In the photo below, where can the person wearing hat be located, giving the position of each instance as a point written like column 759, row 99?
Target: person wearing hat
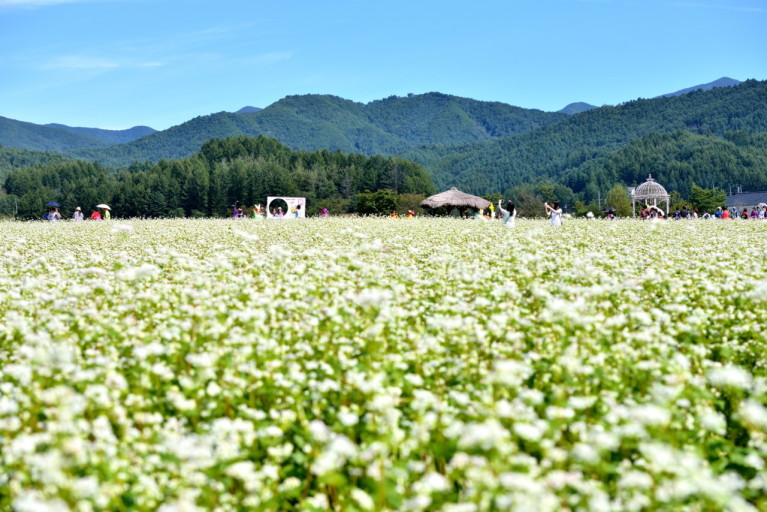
column 78, row 215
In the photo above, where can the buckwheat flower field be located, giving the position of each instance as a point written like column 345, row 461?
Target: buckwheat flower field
column 381, row 364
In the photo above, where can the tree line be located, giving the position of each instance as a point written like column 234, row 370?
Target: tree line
column 235, row 170
column 683, row 162
column 244, row 170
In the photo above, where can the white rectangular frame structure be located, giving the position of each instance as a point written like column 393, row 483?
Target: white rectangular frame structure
column 296, row 207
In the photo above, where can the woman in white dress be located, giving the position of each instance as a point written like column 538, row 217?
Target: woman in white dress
column 508, row 215
column 555, row 212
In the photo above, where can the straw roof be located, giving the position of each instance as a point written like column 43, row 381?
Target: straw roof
column 455, row 198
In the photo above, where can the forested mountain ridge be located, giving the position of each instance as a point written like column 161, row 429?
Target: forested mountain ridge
column 679, row 159
column 550, row 151
column 310, row 122
column 437, row 118
column 14, row 158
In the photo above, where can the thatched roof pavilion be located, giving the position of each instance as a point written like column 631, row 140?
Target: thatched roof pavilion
column 454, row 198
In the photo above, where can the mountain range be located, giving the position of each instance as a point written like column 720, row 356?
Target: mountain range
column 480, row 146
column 386, row 126
column 310, row 122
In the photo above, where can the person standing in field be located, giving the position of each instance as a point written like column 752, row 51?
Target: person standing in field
column 555, row 212
column 95, row 215
column 78, row 215
column 507, row 215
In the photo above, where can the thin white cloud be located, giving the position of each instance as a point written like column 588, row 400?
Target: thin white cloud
column 272, row 58
column 31, row 4
column 80, row 62
column 736, row 8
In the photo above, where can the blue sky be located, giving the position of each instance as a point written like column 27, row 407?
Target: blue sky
column 120, row 63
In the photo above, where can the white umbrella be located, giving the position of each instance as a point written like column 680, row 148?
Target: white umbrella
column 104, row 206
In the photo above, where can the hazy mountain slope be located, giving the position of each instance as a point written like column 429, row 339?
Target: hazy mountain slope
column 576, row 108
column 35, row 137
column 721, row 82
column 175, row 142
column 109, row 136
column 248, row 110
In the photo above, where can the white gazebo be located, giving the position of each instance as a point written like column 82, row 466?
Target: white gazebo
column 650, row 193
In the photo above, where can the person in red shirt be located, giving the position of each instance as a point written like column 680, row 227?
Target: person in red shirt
column 95, row 215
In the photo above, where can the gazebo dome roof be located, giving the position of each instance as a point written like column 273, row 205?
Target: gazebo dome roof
column 650, row 189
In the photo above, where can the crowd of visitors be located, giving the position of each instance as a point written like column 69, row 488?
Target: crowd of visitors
column 721, row 213
column 101, row 212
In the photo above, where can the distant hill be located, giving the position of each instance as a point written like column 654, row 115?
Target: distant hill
column 722, row 82
column 551, row 151
column 109, row 136
column 248, row 110
column 20, row 134
column 576, row 108
column 310, row 122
